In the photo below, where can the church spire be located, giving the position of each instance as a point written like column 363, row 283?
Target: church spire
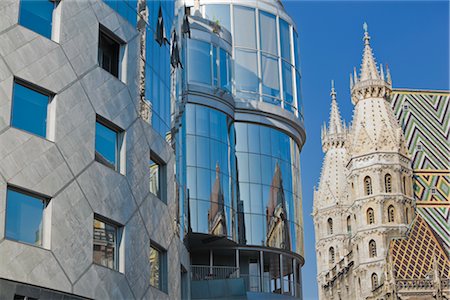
column 371, row 82
column 336, row 129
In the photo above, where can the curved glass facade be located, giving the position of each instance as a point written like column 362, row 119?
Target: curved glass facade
column 266, row 57
column 243, row 180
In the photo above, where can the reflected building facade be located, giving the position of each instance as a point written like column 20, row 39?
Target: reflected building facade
column 238, row 125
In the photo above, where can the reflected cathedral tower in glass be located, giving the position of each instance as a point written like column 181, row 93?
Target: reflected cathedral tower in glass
column 237, row 120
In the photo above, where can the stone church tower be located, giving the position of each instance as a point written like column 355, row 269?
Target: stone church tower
column 364, row 198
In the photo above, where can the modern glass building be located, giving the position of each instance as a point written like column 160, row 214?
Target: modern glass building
column 238, row 126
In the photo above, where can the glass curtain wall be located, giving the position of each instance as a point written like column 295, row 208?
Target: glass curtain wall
column 266, row 55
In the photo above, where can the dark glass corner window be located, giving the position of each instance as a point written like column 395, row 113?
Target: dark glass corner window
column 29, row 109
column 24, row 216
column 158, row 268
column 106, row 243
column 37, row 15
column 108, row 52
column 157, row 177
column 107, row 146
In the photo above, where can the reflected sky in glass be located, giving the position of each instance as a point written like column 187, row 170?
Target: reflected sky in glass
column 106, row 145
column 24, row 217
column 37, row 16
column 29, row 110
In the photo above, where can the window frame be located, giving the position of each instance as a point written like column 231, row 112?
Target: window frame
column 53, row 20
column 391, row 213
column 45, row 217
column 368, row 189
column 121, row 52
column 388, row 183
column 118, row 241
column 330, row 226
column 372, row 248
column 40, row 90
column 119, row 145
column 332, row 255
column 162, row 176
column 162, row 267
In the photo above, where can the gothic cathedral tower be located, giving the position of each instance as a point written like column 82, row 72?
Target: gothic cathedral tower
column 365, row 191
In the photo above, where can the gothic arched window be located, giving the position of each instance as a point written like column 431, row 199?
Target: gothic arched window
column 391, row 213
column 372, row 248
column 331, row 255
column 404, row 185
column 370, row 216
column 388, row 183
column 330, row 226
column 349, row 225
column 407, row 215
column 368, row 185
column 374, row 281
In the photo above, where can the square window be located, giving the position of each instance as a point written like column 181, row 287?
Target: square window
column 29, row 109
column 107, row 144
column 37, row 15
column 108, row 52
column 158, row 268
column 107, row 238
column 157, row 177
column 24, row 217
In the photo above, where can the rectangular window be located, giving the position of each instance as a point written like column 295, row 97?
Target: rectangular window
column 268, row 32
column 157, row 177
column 29, row 109
column 107, row 145
column 107, row 238
column 20, row 297
column 225, row 70
column 285, row 40
column 24, row 217
column 219, row 13
column 246, row 70
column 287, row 83
column 199, row 61
column 108, row 52
column 244, row 17
column 158, row 268
column 270, row 75
column 37, row 15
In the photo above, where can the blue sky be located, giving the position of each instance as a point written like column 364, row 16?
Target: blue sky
column 412, row 37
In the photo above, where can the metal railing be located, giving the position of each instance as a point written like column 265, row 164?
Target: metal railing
column 213, row 272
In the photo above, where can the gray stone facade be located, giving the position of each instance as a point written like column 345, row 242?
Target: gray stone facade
column 63, row 166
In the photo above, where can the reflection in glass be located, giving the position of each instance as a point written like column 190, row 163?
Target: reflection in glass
column 199, row 62
column 270, row 75
column 268, row 32
column 216, row 215
column 225, row 70
column 157, row 177
column 24, row 216
column 219, row 13
column 244, row 17
column 106, row 145
column 37, row 15
column 105, row 244
column 287, row 83
column 277, row 223
column 246, row 70
column 29, row 111
column 285, row 41
column 158, row 268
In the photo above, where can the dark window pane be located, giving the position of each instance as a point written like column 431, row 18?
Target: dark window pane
column 105, row 244
column 24, row 217
column 157, row 178
column 37, row 16
column 158, row 268
column 106, row 145
column 108, row 54
column 29, row 110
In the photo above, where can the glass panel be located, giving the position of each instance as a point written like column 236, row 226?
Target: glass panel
column 287, row 83
column 190, row 119
column 155, row 267
column 225, row 70
column 156, row 178
column 24, row 215
column 199, row 62
column 285, row 40
column 253, row 138
column 246, row 70
column 202, row 117
column 105, row 244
column 268, row 32
column 244, row 17
column 29, row 110
column 220, row 14
column 214, row 64
column 299, row 94
column 108, row 54
column 37, row 16
column 105, row 145
column 296, row 51
column 270, row 76
column 203, row 157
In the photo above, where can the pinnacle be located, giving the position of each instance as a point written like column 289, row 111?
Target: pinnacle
column 335, row 125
